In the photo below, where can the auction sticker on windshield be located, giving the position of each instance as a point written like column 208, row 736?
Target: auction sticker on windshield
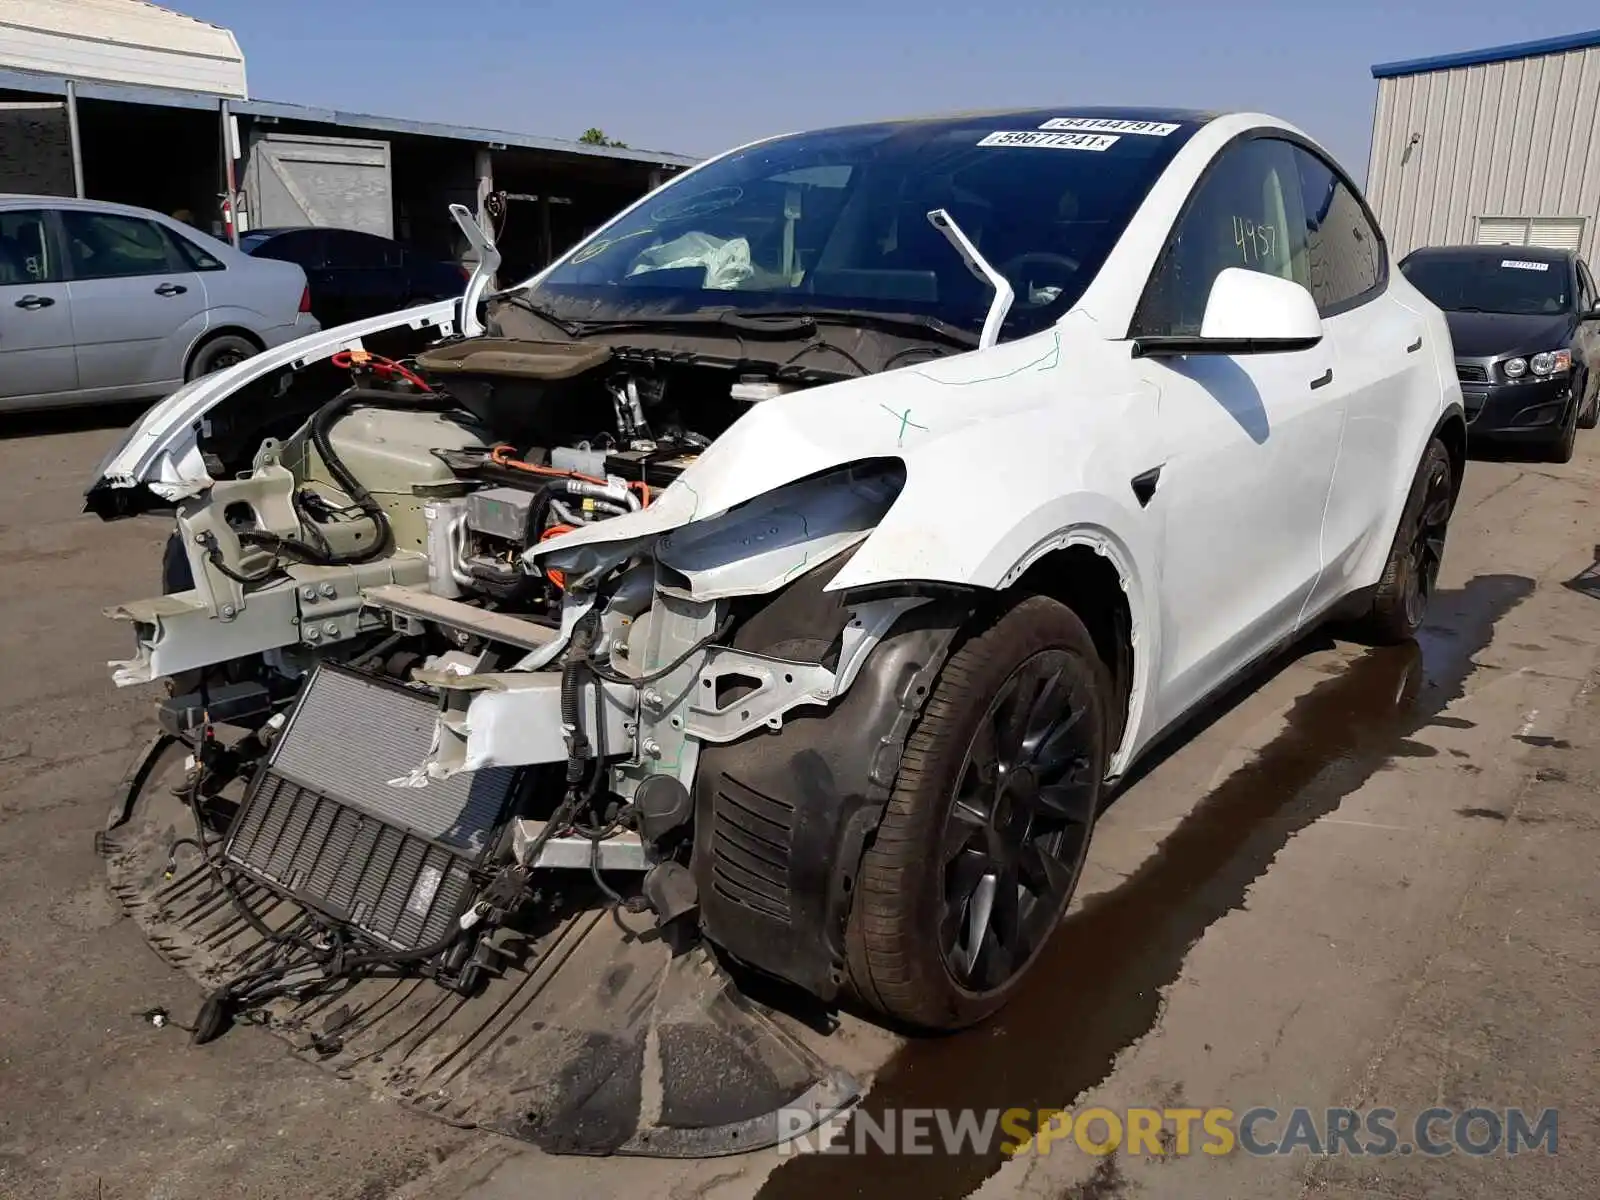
column 1111, row 125
column 1517, row 264
column 1049, row 141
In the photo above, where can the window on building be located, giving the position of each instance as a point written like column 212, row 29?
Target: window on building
column 1552, row 233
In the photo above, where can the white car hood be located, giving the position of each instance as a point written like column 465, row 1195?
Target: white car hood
column 161, row 450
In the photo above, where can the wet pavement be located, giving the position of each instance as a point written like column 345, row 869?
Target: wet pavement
column 1264, row 900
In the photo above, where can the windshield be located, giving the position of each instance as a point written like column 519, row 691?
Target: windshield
column 1500, row 282
column 838, row 220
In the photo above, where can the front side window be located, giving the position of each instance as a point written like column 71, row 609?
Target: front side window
column 1504, row 279
column 27, row 255
column 839, row 220
column 111, row 246
column 1247, row 211
column 1343, row 247
column 1586, row 295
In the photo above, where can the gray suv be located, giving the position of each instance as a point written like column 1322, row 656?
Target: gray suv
column 103, row 302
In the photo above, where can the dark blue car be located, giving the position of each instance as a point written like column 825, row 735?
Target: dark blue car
column 354, row 275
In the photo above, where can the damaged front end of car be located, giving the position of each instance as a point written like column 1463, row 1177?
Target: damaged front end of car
column 514, row 708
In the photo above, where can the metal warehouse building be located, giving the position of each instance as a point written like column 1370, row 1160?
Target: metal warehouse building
column 124, row 100
column 1496, row 146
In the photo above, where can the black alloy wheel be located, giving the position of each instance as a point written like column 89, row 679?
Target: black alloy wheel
column 986, row 831
column 1399, row 603
column 1018, row 826
column 1427, row 541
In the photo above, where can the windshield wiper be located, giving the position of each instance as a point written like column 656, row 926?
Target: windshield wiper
column 518, row 297
column 787, row 322
column 979, row 266
column 895, row 321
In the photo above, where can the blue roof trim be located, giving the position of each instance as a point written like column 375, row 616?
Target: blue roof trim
column 1493, row 54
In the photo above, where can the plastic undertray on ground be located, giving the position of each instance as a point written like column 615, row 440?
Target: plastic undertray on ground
column 595, row 1039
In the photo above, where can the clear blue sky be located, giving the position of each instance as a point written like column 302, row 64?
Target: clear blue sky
column 700, row 75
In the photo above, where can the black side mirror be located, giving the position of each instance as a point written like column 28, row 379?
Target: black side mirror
column 1592, row 315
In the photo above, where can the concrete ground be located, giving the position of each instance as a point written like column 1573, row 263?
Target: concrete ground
column 1365, row 880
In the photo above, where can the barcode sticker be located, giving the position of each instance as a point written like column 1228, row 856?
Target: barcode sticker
column 1111, row 125
column 1049, row 141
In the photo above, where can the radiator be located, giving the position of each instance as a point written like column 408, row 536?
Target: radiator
column 341, row 820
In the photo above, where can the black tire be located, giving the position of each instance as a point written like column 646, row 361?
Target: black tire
column 1566, row 442
column 223, row 351
column 1589, row 410
column 909, row 900
column 1401, row 602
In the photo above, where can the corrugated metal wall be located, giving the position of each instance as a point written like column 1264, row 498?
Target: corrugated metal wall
column 1503, row 139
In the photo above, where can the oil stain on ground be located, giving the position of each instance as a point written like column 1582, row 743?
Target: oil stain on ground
column 1097, row 989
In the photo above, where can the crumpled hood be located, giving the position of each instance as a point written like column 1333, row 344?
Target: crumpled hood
column 896, row 414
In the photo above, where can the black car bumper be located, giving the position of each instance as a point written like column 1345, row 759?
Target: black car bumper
column 1534, row 411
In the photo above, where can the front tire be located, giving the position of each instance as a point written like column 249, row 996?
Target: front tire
column 1412, row 570
column 985, row 835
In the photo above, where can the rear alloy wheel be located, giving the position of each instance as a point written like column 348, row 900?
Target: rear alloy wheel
column 1412, row 572
column 220, row 353
column 984, row 838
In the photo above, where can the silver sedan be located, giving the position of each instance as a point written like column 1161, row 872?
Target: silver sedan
column 104, row 302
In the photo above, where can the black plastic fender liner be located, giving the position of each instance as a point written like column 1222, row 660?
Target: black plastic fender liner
column 782, row 817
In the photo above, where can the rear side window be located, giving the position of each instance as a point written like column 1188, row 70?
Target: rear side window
column 27, row 254
column 1246, row 212
column 1344, row 249
column 197, row 258
column 112, row 246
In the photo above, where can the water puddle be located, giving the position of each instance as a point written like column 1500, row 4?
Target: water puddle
column 1098, row 988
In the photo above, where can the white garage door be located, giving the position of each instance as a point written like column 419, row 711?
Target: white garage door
column 1553, row 233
